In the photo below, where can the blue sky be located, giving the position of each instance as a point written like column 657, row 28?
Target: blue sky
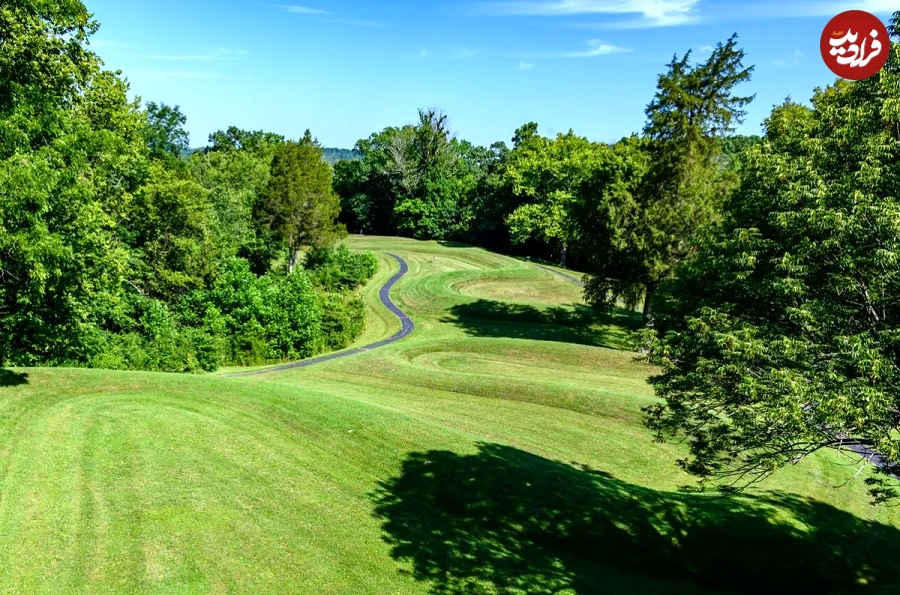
column 347, row 68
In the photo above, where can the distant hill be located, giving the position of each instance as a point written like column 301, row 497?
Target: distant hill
column 330, row 154
column 333, row 155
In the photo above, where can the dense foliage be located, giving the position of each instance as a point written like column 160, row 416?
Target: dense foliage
column 117, row 251
column 773, row 259
column 767, row 267
column 780, row 334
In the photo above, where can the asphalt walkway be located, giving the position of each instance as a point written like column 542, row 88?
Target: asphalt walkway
column 384, row 294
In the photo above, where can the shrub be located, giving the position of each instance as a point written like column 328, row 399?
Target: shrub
column 343, row 319
column 338, row 269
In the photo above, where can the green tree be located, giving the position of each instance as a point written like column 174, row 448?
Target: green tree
column 369, row 187
column 71, row 156
column 429, row 171
column 235, row 139
column 547, row 176
column 174, row 242
column 780, row 335
column 684, row 186
column 165, row 133
column 298, row 204
column 44, row 62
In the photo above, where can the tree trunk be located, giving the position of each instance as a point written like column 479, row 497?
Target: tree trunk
column 649, row 289
column 292, row 257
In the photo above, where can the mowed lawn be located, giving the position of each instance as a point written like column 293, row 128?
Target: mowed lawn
column 499, row 449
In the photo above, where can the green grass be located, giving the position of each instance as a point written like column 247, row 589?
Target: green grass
column 498, row 449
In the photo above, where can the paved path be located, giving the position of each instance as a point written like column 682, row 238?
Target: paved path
column 575, row 280
column 406, row 327
column 849, row 443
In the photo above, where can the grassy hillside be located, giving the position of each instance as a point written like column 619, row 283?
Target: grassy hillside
column 498, row 449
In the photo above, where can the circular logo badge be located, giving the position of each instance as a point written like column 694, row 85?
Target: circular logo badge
column 855, row 45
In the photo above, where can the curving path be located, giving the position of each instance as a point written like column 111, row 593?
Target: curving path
column 843, row 441
column 563, row 275
column 384, row 294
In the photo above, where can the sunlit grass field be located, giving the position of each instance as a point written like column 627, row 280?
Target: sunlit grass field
column 498, row 449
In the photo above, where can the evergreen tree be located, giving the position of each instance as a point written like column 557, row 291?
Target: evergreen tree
column 298, row 205
column 684, row 186
column 780, row 335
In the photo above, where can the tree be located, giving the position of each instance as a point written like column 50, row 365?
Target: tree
column 684, row 186
column 780, row 335
column 174, row 235
column 44, row 62
column 429, row 169
column 71, row 157
column 369, row 188
column 298, row 204
column 547, row 176
column 235, row 139
column 165, row 133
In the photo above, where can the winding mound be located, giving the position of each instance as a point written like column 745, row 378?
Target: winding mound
column 497, row 449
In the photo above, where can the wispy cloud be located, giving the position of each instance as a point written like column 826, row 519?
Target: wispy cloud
column 652, row 13
column 294, row 9
column 778, row 9
column 793, row 60
column 830, row 8
column 462, row 54
column 359, row 22
column 597, row 48
column 525, row 66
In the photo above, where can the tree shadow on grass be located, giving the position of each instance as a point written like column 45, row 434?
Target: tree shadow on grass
column 503, row 520
column 10, row 378
column 450, row 244
column 566, row 324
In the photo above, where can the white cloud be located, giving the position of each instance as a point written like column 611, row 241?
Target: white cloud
column 654, row 13
column 778, row 9
column 525, row 66
column 835, row 8
column 597, row 48
column 794, row 59
column 359, row 22
column 303, row 9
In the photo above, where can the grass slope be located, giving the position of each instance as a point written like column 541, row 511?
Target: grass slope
column 498, row 449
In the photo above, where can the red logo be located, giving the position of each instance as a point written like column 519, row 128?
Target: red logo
column 855, row 45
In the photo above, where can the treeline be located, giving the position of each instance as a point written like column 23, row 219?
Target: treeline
column 623, row 211
column 768, row 267
column 119, row 248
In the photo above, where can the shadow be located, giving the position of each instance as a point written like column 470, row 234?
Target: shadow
column 503, row 520
column 566, row 324
column 10, row 378
column 449, row 244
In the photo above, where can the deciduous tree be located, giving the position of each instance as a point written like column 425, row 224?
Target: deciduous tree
column 780, row 335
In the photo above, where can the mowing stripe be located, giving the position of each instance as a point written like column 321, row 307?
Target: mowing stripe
column 384, row 294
